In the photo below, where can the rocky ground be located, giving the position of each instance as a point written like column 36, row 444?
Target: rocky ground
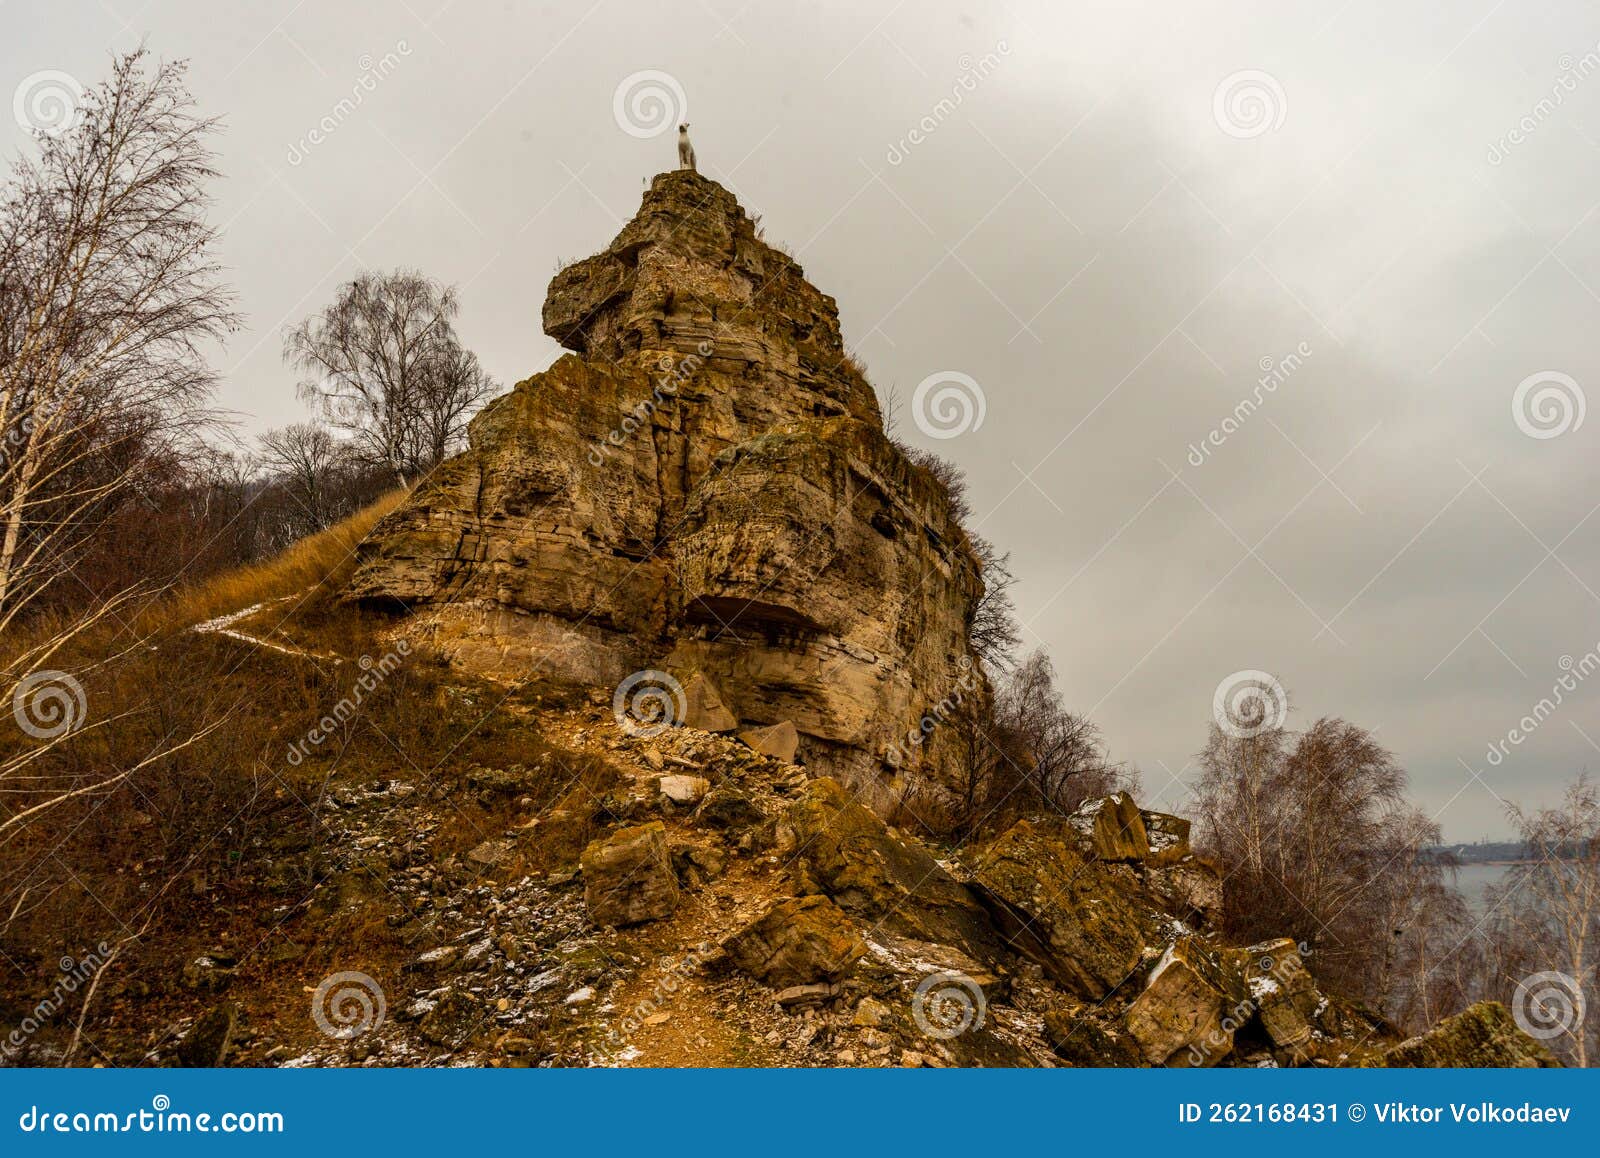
column 712, row 905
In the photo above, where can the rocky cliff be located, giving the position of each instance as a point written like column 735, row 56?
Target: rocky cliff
column 703, row 485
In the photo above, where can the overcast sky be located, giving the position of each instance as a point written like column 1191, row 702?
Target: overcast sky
column 1118, row 213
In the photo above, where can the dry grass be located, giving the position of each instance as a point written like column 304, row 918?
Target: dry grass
column 311, row 563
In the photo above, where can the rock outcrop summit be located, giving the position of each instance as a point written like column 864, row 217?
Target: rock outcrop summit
column 703, row 485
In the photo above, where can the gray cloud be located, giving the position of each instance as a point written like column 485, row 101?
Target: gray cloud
column 1079, row 235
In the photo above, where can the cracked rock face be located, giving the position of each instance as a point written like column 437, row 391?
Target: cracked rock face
column 702, row 485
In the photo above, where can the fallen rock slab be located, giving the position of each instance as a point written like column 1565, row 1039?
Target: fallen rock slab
column 684, row 789
column 1181, row 1017
column 780, row 741
column 1482, row 1035
column 1112, row 827
column 628, row 876
column 798, row 941
column 1083, row 924
column 843, row 850
column 1167, row 837
column 704, row 708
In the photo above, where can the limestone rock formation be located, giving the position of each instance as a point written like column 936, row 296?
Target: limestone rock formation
column 1088, row 926
column 798, row 941
column 841, row 849
column 702, row 485
column 1484, row 1034
column 628, row 877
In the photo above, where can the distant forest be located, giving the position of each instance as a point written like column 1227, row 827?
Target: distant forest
column 1499, row 851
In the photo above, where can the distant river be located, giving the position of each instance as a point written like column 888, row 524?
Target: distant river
column 1475, row 879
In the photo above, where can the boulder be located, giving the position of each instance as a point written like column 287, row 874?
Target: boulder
column 780, row 741
column 1182, row 1016
column 684, row 789
column 210, row 972
column 703, row 706
column 1281, row 989
column 697, row 864
column 727, row 807
column 1483, row 1035
column 453, row 1020
column 798, row 941
column 1112, row 828
column 628, row 877
column 1190, row 890
column 1080, row 1040
column 841, row 849
column 1168, row 838
column 1087, row 926
column 206, row 1044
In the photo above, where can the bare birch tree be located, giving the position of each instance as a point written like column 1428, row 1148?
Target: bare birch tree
column 1548, row 950
column 109, row 295
column 383, row 364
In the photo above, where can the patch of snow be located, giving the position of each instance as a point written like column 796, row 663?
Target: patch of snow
column 1262, row 987
column 1167, row 958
